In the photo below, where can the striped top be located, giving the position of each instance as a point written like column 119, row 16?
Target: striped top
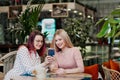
column 25, row 63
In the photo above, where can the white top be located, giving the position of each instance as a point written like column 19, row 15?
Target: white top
column 24, row 63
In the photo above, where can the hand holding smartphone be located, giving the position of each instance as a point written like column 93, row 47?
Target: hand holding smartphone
column 51, row 52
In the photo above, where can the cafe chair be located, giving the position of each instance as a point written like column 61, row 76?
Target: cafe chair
column 8, row 61
column 111, row 74
column 94, row 71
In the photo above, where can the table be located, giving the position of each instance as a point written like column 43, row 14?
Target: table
column 53, row 76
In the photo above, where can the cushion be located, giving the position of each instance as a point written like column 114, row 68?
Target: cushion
column 114, row 65
column 93, row 70
column 107, row 64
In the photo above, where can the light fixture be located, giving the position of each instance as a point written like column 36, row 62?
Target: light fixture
column 50, row 10
column 75, row 11
column 80, row 13
column 69, row 9
column 88, row 16
column 91, row 17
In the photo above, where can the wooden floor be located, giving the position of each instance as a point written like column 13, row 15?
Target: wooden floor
column 1, row 76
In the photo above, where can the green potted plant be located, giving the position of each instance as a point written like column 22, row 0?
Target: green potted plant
column 111, row 26
column 110, row 29
column 27, row 21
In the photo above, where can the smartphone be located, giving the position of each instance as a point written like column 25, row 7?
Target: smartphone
column 51, row 52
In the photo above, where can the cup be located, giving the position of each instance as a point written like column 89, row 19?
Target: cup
column 53, row 67
column 41, row 73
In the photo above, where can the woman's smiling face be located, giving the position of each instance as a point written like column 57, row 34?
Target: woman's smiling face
column 38, row 42
column 59, row 41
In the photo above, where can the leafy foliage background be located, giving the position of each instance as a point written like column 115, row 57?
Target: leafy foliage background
column 79, row 31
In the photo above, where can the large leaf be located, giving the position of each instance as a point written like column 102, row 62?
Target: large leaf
column 104, row 30
column 101, row 20
column 117, row 34
column 116, row 12
column 113, row 21
column 112, row 32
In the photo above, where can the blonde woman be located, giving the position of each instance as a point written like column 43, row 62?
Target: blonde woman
column 68, row 58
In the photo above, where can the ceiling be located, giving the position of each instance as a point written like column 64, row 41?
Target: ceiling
column 103, row 7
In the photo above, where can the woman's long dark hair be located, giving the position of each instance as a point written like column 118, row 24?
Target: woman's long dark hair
column 30, row 43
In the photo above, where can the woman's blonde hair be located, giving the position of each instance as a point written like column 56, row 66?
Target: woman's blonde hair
column 65, row 36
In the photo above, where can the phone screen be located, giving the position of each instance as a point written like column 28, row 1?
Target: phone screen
column 51, row 51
